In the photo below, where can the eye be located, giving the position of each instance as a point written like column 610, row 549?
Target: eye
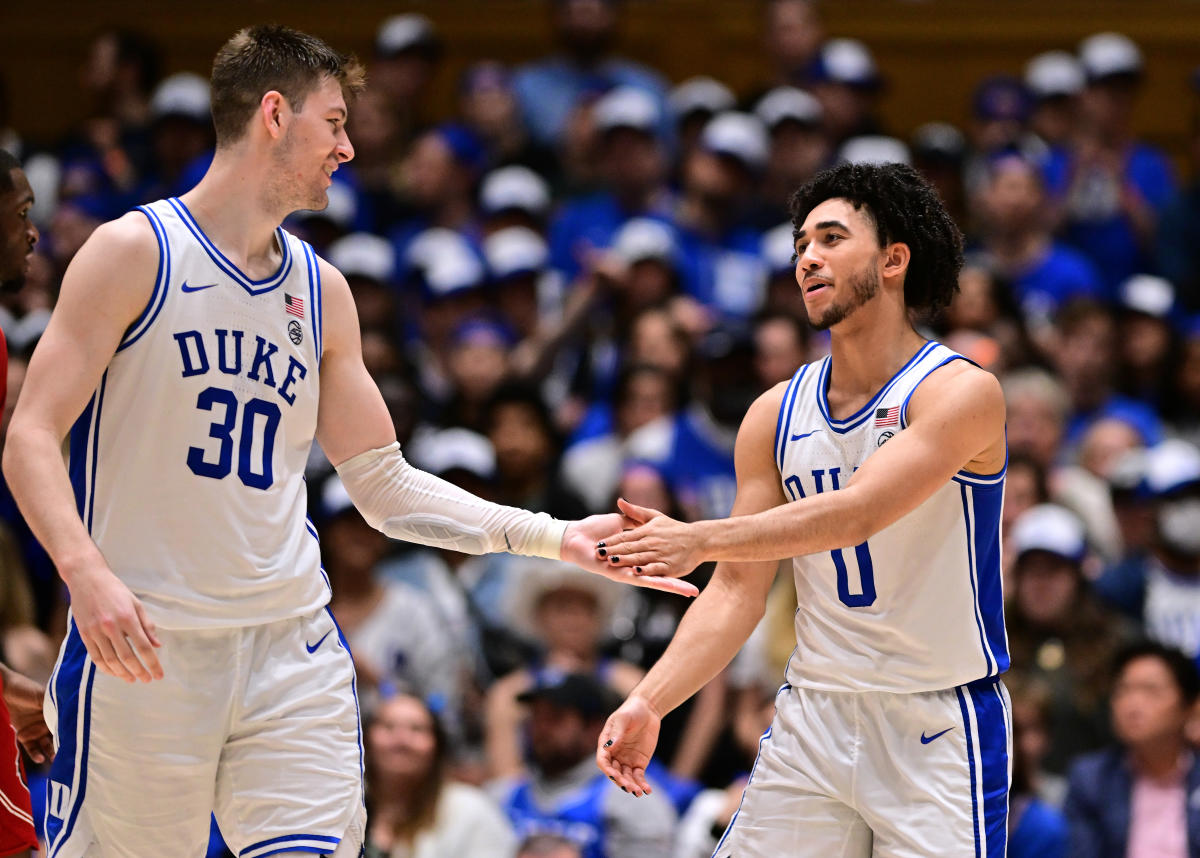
column 832, row 237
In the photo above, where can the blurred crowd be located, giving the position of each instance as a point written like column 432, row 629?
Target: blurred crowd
column 571, row 284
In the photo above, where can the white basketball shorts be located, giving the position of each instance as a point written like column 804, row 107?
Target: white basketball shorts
column 879, row 775
column 258, row 724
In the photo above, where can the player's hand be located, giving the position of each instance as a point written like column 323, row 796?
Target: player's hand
column 579, row 547
column 658, row 546
column 114, row 627
column 23, row 697
column 627, row 743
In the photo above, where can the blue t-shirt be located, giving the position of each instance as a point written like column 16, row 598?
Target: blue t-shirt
column 727, row 274
column 1095, row 223
column 1041, row 832
column 1062, row 274
column 589, row 223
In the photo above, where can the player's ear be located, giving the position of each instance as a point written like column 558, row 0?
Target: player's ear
column 270, row 111
column 895, row 259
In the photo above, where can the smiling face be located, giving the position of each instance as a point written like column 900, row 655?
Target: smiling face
column 314, row 144
column 837, row 262
column 18, row 235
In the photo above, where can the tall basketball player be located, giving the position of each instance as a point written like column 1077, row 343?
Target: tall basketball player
column 880, row 469
column 196, row 349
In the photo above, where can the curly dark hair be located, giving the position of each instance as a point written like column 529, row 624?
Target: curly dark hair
column 904, row 208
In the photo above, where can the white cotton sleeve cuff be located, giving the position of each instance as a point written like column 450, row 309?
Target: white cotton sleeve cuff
column 412, row 505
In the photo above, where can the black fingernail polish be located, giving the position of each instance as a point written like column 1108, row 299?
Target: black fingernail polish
column 638, row 568
column 602, row 552
column 608, row 744
column 614, row 558
column 600, row 544
column 624, row 790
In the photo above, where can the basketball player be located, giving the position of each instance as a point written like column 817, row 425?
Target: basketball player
column 192, row 342
column 20, row 697
column 880, row 469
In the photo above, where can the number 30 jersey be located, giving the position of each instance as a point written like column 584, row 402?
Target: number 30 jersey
column 918, row 606
column 188, row 462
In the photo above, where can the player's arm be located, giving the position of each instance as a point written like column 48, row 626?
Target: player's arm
column 357, row 434
column 955, row 422
column 716, row 626
column 23, row 697
column 105, row 288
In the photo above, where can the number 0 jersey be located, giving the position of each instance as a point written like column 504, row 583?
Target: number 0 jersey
column 918, row 606
column 188, row 461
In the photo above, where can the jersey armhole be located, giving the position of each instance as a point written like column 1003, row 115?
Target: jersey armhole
column 314, row 298
column 162, row 279
column 783, row 424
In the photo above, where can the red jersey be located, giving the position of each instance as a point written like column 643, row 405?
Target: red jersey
column 16, row 818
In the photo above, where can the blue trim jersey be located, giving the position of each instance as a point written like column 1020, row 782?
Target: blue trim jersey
column 188, row 461
column 918, row 606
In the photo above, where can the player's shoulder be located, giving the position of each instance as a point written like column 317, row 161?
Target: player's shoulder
column 958, row 384
column 119, row 251
column 131, row 232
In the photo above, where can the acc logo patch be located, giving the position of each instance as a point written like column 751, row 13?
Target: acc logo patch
column 883, row 438
column 295, row 332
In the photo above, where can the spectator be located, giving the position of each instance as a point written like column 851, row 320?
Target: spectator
column 792, row 35
column 488, row 106
column 407, row 54
column 719, row 241
column 1000, row 107
column 393, row 629
column 564, row 794
column 1135, row 797
column 780, row 347
column 1036, row 828
column 798, row 148
column 1044, row 274
column 514, row 196
column 847, row 82
column 551, row 89
column 1149, row 348
column 416, row 811
column 939, row 153
column 181, row 137
column 693, row 103
column 1058, row 631
column 631, row 166
column 567, row 617
column 439, row 176
column 1055, row 80
column 1112, row 186
column 477, row 363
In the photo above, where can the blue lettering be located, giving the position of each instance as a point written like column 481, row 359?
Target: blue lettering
column 190, row 367
column 262, row 357
column 222, row 363
column 792, row 484
column 290, row 379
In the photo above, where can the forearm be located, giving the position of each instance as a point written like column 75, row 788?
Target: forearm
column 409, row 504
column 37, row 475
column 820, row 523
column 708, row 637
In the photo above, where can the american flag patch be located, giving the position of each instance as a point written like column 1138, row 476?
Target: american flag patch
column 887, row 416
column 293, row 305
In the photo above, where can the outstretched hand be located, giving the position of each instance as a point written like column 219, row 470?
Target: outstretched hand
column 659, row 546
column 579, row 547
column 627, row 743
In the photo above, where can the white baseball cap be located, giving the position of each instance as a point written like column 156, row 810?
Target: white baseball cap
column 788, row 102
column 739, row 135
column 700, row 95
column 643, row 238
column 1108, row 54
column 514, row 251
column 849, row 62
column 401, row 33
column 446, row 261
column 184, row 94
column 514, row 187
column 452, row 450
column 1148, row 294
column 626, row 107
column 1049, row 527
column 778, row 248
column 363, row 254
column 1054, row 73
column 874, row 149
column 1171, row 465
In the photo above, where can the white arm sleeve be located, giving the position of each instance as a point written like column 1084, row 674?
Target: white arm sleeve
column 405, row 503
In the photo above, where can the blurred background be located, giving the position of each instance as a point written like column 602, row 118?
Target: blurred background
column 566, row 228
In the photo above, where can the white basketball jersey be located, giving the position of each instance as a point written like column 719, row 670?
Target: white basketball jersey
column 918, row 606
column 188, row 461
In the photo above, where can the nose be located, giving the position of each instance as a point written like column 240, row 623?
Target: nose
column 808, row 260
column 33, row 235
column 345, row 149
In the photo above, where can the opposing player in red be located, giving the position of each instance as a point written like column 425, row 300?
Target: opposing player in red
column 20, row 698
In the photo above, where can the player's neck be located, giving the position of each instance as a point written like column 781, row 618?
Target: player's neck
column 233, row 208
column 869, row 348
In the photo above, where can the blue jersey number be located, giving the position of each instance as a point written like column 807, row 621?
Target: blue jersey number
column 257, row 415
column 866, row 577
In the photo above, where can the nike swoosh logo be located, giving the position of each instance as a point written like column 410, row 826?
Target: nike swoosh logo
column 314, row 647
column 805, row 435
column 507, row 544
column 925, row 740
column 186, row 288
